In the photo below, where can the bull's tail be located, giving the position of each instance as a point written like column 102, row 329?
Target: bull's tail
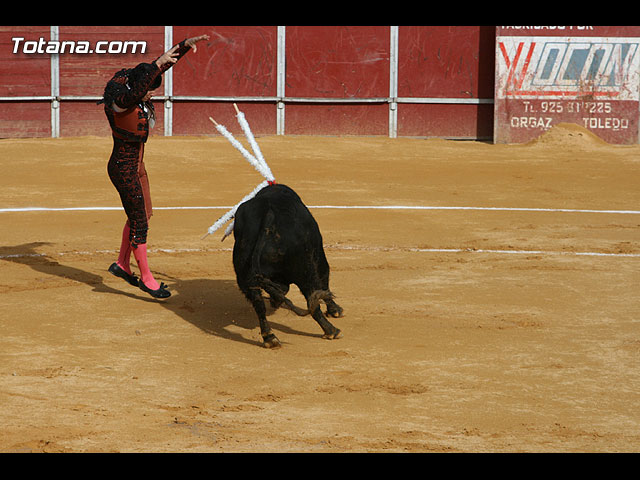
column 316, row 297
column 278, row 297
column 267, row 224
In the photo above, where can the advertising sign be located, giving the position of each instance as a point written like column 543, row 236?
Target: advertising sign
column 583, row 75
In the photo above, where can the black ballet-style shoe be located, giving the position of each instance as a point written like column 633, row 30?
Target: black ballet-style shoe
column 118, row 271
column 161, row 292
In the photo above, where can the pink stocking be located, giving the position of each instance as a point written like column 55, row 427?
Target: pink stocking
column 125, row 250
column 140, row 253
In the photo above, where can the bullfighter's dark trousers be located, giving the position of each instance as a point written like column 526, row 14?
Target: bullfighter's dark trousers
column 128, row 174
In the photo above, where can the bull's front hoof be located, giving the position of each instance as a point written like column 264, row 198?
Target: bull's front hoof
column 332, row 336
column 271, row 341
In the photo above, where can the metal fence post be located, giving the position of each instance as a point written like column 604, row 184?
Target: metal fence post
column 393, row 82
column 55, row 86
column 168, row 85
column 280, row 80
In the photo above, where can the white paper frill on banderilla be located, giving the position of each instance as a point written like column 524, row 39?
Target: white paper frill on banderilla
column 256, row 160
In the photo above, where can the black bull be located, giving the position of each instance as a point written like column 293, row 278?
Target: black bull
column 278, row 243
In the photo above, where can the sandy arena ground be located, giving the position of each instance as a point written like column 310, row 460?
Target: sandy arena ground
column 465, row 330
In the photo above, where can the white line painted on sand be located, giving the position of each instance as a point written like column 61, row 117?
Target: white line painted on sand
column 336, row 207
column 352, row 248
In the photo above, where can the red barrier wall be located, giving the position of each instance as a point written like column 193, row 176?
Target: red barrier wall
column 237, row 61
column 337, row 62
column 337, row 80
column 439, row 62
column 22, row 75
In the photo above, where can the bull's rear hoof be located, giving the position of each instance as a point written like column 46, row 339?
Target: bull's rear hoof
column 271, row 341
column 332, row 336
